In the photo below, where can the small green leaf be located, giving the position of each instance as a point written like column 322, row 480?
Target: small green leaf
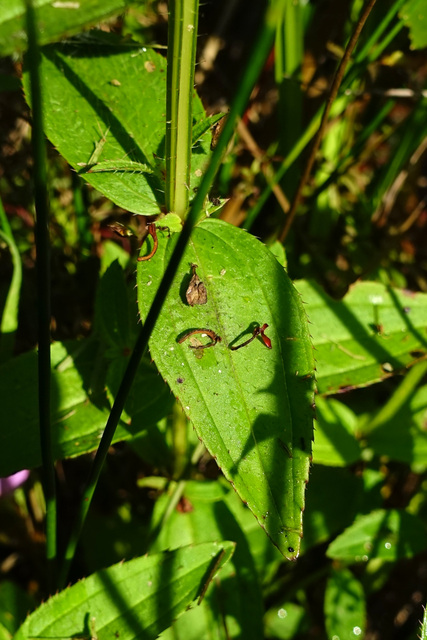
column 54, row 20
column 388, row 535
column 334, row 440
column 374, row 332
column 142, row 596
column 252, row 407
column 414, row 15
column 204, row 516
column 345, row 608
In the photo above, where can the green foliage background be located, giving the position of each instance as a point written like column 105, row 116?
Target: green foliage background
column 209, row 438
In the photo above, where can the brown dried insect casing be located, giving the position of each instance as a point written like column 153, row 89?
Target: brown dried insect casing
column 196, row 292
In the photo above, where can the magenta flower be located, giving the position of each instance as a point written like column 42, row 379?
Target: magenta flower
column 9, row 484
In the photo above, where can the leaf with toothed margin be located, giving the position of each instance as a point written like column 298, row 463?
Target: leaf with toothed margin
column 114, row 94
column 135, row 599
column 252, row 407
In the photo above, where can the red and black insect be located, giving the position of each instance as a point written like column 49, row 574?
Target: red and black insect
column 258, row 331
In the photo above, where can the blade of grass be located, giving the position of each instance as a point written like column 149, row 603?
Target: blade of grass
column 401, row 395
column 339, row 75
column 9, row 320
column 260, row 51
column 369, row 48
column 288, row 58
column 43, row 294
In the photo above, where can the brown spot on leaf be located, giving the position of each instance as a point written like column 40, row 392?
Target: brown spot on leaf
column 196, row 292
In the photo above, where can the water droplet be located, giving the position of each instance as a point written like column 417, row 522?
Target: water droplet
column 388, row 545
column 357, row 631
column 282, row 613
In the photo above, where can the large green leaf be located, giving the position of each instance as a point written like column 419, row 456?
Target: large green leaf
column 104, row 106
column 139, row 598
column 252, row 407
column 386, row 534
column 373, row 333
column 204, row 516
column 78, row 416
column 54, row 20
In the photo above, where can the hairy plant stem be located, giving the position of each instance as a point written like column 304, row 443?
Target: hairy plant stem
column 182, row 42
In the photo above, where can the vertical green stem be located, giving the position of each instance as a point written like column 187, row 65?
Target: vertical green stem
column 289, row 52
column 182, row 40
column 43, row 293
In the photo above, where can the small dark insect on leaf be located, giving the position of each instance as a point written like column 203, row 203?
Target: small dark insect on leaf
column 196, row 292
column 216, row 131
